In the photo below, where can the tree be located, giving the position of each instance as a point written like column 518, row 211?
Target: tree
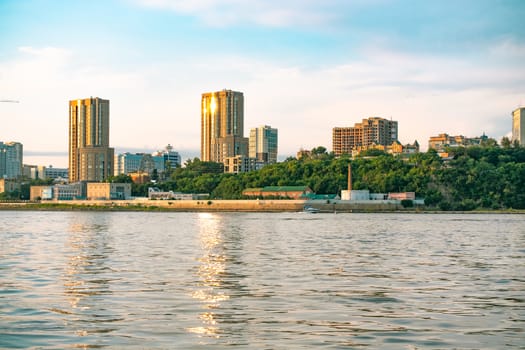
column 122, row 178
column 478, row 177
column 155, row 175
column 505, row 142
column 318, row 150
column 230, row 187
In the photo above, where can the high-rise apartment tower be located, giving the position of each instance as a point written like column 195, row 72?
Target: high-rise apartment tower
column 263, row 144
column 518, row 125
column 11, row 159
column 371, row 131
column 222, row 126
column 90, row 157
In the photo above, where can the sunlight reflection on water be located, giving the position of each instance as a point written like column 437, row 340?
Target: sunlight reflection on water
column 290, row 280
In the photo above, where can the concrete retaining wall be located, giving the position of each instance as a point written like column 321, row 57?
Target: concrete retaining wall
column 249, row 205
column 218, row 205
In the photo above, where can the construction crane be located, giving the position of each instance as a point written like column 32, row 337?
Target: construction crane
column 10, row 101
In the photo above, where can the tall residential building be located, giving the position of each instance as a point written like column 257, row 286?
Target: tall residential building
column 90, row 157
column 263, row 144
column 11, row 160
column 518, row 125
column 222, row 126
column 371, row 131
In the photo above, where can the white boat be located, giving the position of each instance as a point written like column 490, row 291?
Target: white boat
column 310, row 209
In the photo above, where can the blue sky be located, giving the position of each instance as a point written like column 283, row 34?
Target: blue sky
column 304, row 67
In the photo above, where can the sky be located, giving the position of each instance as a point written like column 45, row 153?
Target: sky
column 304, row 66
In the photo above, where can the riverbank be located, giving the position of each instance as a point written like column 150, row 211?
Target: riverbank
column 208, row 205
column 324, row 206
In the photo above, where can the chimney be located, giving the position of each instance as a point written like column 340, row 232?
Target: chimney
column 349, row 177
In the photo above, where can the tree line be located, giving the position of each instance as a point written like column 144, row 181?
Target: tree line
column 486, row 176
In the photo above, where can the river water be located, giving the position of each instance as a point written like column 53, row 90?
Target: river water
column 144, row 280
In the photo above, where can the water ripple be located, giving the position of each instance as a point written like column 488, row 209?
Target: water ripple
column 276, row 281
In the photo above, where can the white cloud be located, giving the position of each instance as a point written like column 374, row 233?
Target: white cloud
column 508, row 47
column 262, row 12
column 158, row 104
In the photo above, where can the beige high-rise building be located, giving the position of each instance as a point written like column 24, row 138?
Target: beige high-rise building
column 222, row 126
column 90, row 157
column 518, row 125
column 371, row 131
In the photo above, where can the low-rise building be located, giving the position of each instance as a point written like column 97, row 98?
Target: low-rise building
column 355, row 195
column 442, row 141
column 140, row 177
column 108, row 190
column 396, row 148
column 401, row 196
column 72, row 191
column 155, row 193
column 9, row 185
column 75, row 190
column 278, row 192
column 239, row 164
column 41, row 193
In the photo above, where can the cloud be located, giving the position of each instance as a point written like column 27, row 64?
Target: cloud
column 46, row 52
column 153, row 105
column 221, row 13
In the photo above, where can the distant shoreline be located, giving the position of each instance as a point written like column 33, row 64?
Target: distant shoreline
column 324, row 206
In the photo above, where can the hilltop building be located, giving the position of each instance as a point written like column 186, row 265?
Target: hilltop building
column 303, row 153
column 442, row 141
column 90, row 157
column 11, row 160
column 222, row 126
column 240, row 164
column 518, row 125
column 371, row 131
column 263, row 144
column 395, row 148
